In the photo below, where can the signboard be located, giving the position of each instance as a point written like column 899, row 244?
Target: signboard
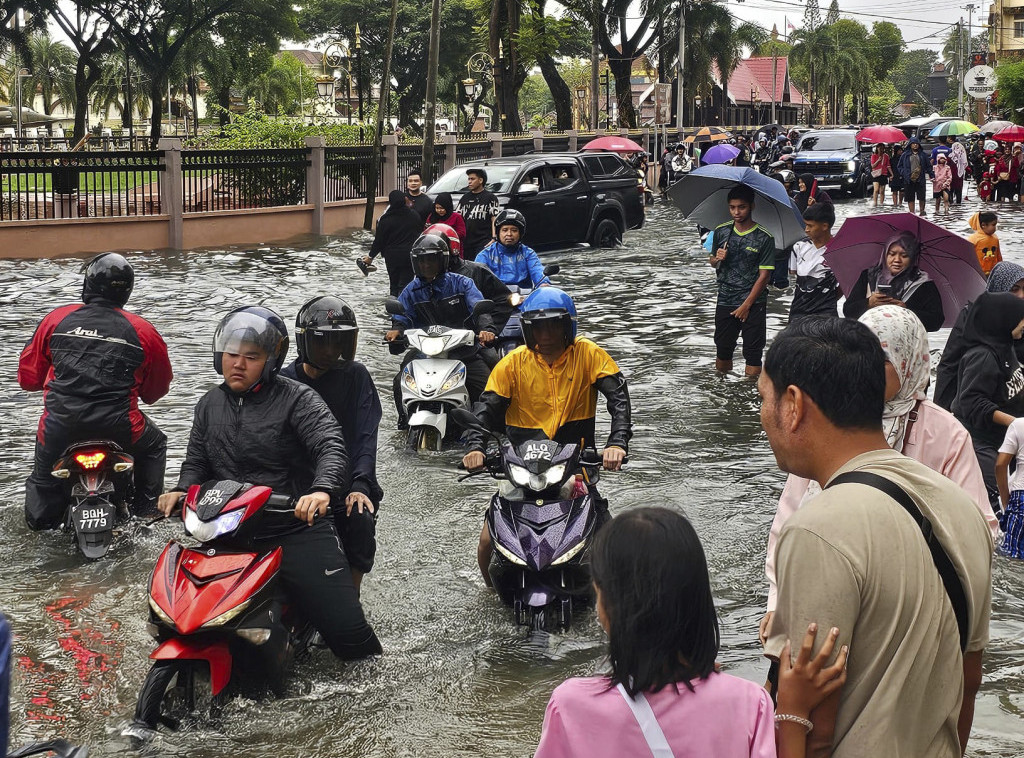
column 980, row 82
column 980, row 59
column 662, row 103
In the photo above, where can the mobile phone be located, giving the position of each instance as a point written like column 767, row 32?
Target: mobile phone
column 884, row 289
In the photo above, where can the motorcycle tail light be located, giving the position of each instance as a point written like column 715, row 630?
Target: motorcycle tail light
column 90, row 460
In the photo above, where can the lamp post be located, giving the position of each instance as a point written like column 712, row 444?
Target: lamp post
column 606, row 80
column 755, row 102
column 23, row 73
column 469, row 88
column 699, row 109
column 581, row 98
column 336, row 56
column 359, row 78
column 479, row 63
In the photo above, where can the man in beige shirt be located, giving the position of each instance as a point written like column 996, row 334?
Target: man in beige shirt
column 853, row 558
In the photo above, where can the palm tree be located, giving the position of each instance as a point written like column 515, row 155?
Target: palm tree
column 110, row 92
column 52, row 65
column 809, row 50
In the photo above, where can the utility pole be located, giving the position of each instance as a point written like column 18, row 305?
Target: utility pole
column 680, row 89
column 595, row 54
column 378, row 132
column 427, row 161
column 970, row 42
column 960, row 68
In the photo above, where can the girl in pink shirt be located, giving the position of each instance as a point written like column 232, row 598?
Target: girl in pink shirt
column 942, row 180
column 665, row 695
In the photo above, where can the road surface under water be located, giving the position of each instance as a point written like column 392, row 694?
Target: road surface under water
column 457, row 678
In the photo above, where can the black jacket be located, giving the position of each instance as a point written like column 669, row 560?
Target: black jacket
column 350, row 394
column 397, row 229
column 490, row 286
column 925, row 302
column 281, row 435
column 986, row 384
column 947, row 373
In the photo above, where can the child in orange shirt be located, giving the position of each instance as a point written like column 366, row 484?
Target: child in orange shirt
column 984, row 239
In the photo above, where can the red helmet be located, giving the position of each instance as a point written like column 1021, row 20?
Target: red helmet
column 443, row 230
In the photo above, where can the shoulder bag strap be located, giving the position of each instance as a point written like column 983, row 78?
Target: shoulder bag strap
column 946, row 569
column 644, row 715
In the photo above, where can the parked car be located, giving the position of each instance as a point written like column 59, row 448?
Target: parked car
column 567, row 198
column 836, row 160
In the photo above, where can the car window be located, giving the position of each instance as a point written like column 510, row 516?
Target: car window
column 535, row 177
column 499, row 178
column 561, row 176
column 612, row 164
column 828, row 141
column 603, row 166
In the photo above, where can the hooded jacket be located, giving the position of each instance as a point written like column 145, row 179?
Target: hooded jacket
column 397, row 229
column 820, row 196
column 989, row 377
column 986, row 246
column 452, row 218
column 280, row 434
column 1002, row 279
column 517, row 265
column 903, row 167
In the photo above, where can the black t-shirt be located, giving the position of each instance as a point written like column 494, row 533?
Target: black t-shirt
column 477, row 208
column 422, row 204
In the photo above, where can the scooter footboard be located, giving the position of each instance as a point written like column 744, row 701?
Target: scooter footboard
column 216, row 654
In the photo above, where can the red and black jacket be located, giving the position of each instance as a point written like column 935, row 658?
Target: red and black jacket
column 94, row 361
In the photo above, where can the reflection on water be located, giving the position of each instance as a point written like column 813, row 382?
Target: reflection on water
column 457, row 679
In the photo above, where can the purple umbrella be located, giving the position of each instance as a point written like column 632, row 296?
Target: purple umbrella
column 947, row 258
column 720, row 154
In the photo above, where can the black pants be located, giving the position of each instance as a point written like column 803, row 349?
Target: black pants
column 477, row 373
column 318, row 580
column 358, row 533
column 399, row 271
column 44, row 495
column 987, row 460
column 728, row 329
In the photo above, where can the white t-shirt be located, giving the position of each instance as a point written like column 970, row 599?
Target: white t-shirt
column 808, row 260
column 1013, row 444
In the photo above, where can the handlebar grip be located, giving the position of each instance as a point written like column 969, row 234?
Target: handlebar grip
column 280, row 501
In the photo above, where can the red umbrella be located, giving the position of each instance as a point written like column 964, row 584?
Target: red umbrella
column 881, row 134
column 1013, row 133
column 614, row 145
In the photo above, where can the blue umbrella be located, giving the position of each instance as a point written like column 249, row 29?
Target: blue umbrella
column 720, row 154
column 701, row 196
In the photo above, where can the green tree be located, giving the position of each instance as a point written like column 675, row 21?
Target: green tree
column 110, row 92
column 812, row 15
column 884, row 47
column 52, row 71
column 1010, row 81
column 833, row 13
column 277, row 90
column 810, row 46
column 910, row 74
column 882, row 99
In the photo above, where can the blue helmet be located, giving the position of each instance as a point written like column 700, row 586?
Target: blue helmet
column 547, row 304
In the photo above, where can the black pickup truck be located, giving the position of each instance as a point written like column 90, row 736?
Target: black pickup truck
column 567, row 198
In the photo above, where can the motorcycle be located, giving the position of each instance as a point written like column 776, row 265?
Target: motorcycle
column 98, row 487
column 434, row 384
column 782, row 171
column 542, row 521
column 217, row 610
column 511, row 335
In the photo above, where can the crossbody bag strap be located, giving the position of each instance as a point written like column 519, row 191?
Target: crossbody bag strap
column 946, row 569
column 644, row 715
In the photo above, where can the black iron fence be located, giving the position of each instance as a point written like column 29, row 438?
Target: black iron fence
column 347, row 172
column 41, row 185
column 214, row 180
column 472, row 151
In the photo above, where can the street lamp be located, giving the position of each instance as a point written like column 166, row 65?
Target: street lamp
column 479, row 63
column 336, row 56
column 700, row 111
column 23, row 73
column 755, row 102
column 581, row 97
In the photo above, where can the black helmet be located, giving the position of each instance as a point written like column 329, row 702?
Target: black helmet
column 787, row 150
column 511, row 217
column 108, row 276
column 326, row 332
column 258, row 326
column 427, row 245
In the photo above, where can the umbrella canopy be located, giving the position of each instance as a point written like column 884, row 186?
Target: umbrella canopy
column 953, row 129
column 701, row 196
column 947, row 258
column 1012, row 133
column 709, row 134
column 614, row 145
column 720, row 154
column 994, row 126
column 884, row 134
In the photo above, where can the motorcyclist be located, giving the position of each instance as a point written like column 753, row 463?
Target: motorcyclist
column 437, row 296
column 547, row 389
column 265, row 429
column 679, row 164
column 762, row 155
column 508, row 257
column 95, row 361
column 326, row 333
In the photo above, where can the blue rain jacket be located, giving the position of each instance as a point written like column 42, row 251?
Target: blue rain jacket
column 448, row 300
column 517, row 265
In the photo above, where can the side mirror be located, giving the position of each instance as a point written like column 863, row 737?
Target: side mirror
column 527, row 190
column 482, row 307
column 552, row 269
column 394, row 307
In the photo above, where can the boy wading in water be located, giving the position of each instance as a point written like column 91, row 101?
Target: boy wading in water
column 744, row 259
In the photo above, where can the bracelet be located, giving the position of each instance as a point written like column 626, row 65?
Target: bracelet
column 805, row 723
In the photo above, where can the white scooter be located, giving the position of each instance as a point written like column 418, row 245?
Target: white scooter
column 434, row 384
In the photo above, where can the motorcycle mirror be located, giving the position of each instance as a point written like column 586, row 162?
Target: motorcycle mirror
column 552, row 269
column 394, row 307
column 482, row 307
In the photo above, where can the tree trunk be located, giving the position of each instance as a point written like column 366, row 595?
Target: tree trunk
column 560, row 92
column 378, row 131
column 156, row 92
column 621, row 69
column 81, row 99
column 430, row 101
column 224, row 101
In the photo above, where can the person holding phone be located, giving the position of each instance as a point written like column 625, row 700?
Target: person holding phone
column 898, row 280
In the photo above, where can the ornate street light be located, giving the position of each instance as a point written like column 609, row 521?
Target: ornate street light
column 479, row 64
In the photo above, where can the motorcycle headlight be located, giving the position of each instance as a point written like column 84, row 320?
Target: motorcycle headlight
column 851, row 165
column 554, row 475
column 409, row 379
column 433, row 345
column 519, row 476
column 454, row 379
column 160, row 612
column 509, row 555
column 228, row 615
column 569, row 555
column 204, row 531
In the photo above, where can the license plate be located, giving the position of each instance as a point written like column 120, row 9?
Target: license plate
column 90, row 518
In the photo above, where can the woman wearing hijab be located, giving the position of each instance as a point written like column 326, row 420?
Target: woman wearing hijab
column 958, row 157
column 397, row 229
column 1004, row 185
column 990, row 384
column 444, row 213
column 897, row 280
column 808, row 193
column 913, row 426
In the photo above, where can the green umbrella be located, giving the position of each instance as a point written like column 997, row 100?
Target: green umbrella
column 953, row 129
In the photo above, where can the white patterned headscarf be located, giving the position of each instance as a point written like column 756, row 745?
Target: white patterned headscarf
column 958, row 154
column 905, row 343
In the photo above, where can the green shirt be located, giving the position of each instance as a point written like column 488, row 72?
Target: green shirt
column 747, row 255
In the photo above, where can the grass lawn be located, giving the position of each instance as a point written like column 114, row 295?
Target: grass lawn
column 87, row 182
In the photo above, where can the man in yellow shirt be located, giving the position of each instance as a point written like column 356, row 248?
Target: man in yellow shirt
column 547, row 389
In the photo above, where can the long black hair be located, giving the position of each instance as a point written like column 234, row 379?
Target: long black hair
column 653, row 577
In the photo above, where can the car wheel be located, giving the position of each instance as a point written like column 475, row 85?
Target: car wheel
column 606, row 234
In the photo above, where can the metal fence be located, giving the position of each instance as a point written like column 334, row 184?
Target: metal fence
column 517, row 146
column 472, row 151
column 44, row 185
column 214, row 180
column 347, row 172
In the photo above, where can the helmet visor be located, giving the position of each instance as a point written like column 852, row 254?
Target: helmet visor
column 246, row 333
column 428, row 264
column 330, row 347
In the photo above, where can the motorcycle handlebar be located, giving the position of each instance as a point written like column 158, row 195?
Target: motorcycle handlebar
column 276, row 501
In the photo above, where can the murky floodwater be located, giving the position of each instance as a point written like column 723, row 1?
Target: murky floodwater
column 457, row 678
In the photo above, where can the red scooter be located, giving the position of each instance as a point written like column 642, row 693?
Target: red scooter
column 217, row 610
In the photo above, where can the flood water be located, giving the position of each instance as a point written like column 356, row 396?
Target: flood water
column 458, row 678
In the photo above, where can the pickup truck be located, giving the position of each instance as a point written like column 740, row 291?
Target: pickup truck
column 835, row 159
column 567, row 198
